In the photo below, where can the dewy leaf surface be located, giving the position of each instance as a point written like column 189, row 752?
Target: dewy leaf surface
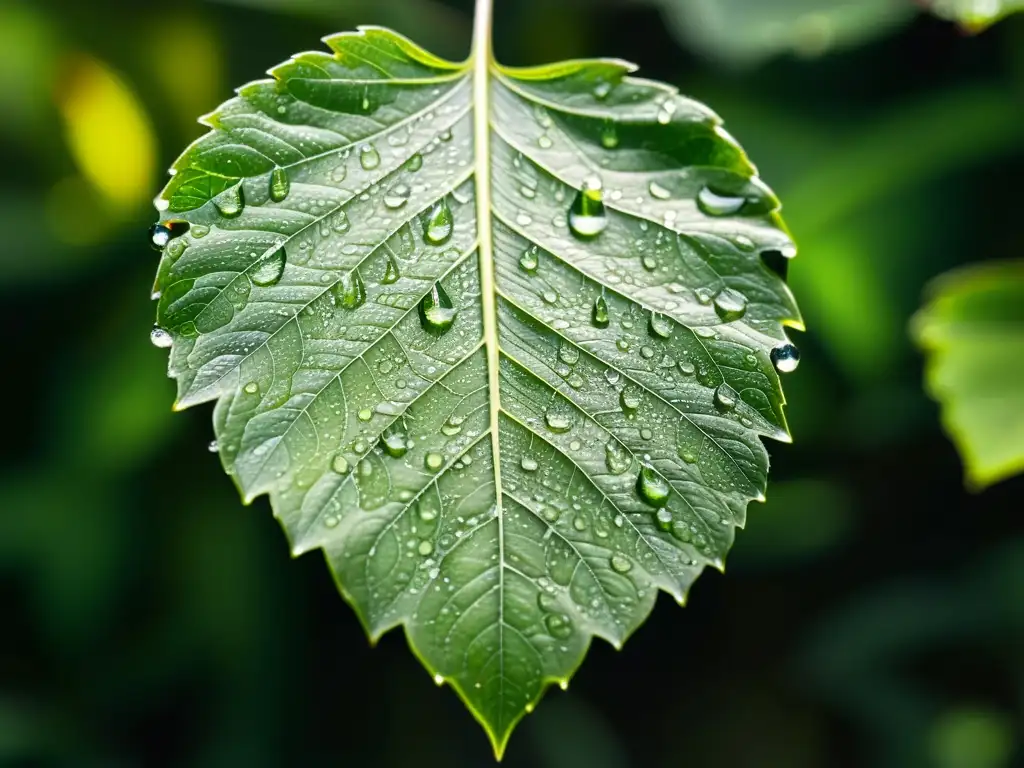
column 972, row 330
column 499, row 342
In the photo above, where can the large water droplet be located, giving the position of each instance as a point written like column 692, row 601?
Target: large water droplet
column 529, row 464
column 349, row 291
column 725, row 397
column 716, row 204
column 730, row 305
column 652, row 487
column 530, row 260
column 630, row 399
column 340, row 464
column 391, row 273
column 559, row 625
column 270, row 268
column 599, row 314
column 658, row 192
column 616, row 457
column 395, row 444
column 437, row 313
column 568, row 353
column 231, row 203
column 620, row 563
column 280, row 184
column 161, row 234
column 587, row 216
column 160, row 337
column 369, row 157
column 558, row 419
column 660, row 325
column 397, row 196
column 433, row 461
column 438, row 223
column 786, row 358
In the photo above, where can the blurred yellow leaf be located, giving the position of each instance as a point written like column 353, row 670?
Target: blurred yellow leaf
column 108, row 132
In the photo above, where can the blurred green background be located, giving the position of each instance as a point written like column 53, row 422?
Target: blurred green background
column 873, row 611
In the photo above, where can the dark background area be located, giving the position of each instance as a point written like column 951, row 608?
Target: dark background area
column 872, row 614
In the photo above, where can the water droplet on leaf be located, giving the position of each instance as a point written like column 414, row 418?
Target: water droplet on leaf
column 369, row 157
column 436, row 311
column 786, row 358
column 587, row 216
column 270, row 268
column 438, row 223
column 280, row 185
column 652, row 487
column 160, row 338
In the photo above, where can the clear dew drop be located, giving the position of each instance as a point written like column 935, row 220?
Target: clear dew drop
column 599, row 314
column 725, row 397
column 568, row 353
column 587, row 216
column 786, row 358
column 160, row 338
column 652, row 488
column 558, row 419
column 529, row 464
column 433, row 461
column 213, row 446
column 397, row 196
column 270, row 268
column 369, row 157
column 349, row 291
column 630, row 399
column 231, row 202
column 251, row 388
column 659, row 325
column 391, row 272
column 425, row 548
column 602, row 89
column 730, row 305
column 280, row 184
column 438, row 223
column 530, row 260
column 437, row 313
column 616, row 457
column 160, row 235
column 658, row 192
column 414, row 163
column 340, row 464
column 620, row 563
column 716, row 204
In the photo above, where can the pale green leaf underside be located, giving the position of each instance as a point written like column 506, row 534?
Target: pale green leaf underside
column 369, row 423
column 973, row 333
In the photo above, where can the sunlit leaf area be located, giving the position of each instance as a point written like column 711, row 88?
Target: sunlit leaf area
column 870, row 611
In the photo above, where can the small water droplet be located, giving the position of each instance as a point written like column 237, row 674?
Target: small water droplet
column 433, row 461
column 744, row 243
column 529, row 464
column 786, row 358
column 587, row 216
column 438, row 223
column 602, row 89
column 550, row 296
column 349, row 291
column 397, row 196
column 160, row 338
column 630, row 399
column 280, row 184
column 544, row 142
column 453, row 426
column 161, row 234
column 620, row 563
column 688, row 455
column 652, row 487
column 364, row 414
column 269, row 269
column 665, row 113
column 599, row 314
column 231, row 202
column 725, row 397
column 251, row 388
column 414, row 163
column 213, row 446
column 717, row 204
column 568, row 353
column 391, row 273
column 369, row 157
column 658, row 192
column 425, row 548
column 730, row 305
column 559, row 420
column 530, row 260
column 437, row 313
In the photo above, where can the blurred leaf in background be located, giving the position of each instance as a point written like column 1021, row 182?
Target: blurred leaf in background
column 974, row 14
column 972, row 330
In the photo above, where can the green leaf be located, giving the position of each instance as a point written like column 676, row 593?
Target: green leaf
column 498, row 341
column 972, row 331
column 746, row 32
column 975, row 14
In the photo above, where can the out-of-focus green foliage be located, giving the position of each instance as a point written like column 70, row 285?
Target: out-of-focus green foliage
column 745, row 32
column 975, row 14
column 973, row 332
